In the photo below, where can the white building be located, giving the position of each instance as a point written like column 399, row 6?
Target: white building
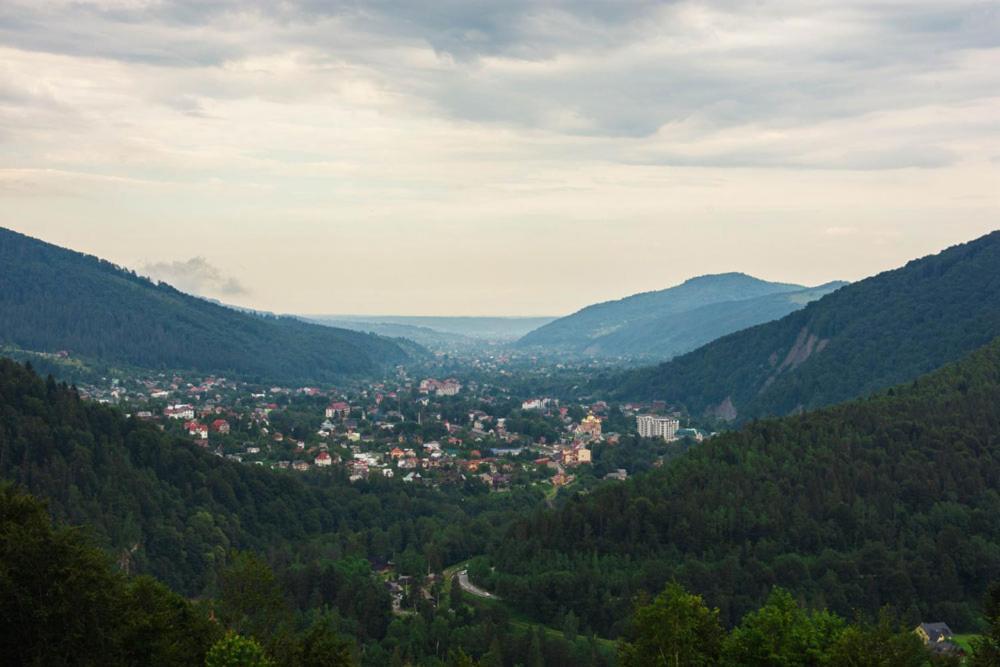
column 651, row 426
column 449, row 387
column 180, row 411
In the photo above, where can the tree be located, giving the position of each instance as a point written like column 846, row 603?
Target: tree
column 676, row 629
column 322, row 646
column 459, row 658
column 236, row 651
column 58, row 595
column 160, row 627
column 986, row 649
column 884, row 643
column 782, row 633
column 493, row 657
column 536, row 658
column 570, row 626
column 61, row 603
column 251, row 600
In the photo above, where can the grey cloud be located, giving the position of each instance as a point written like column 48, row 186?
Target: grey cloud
column 632, row 67
column 196, row 276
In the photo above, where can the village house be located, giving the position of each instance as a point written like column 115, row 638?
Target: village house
column 449, row 387
column 220, row 426
column 938, row 638
column 562, row 479
column 534, row 403
column 196, row 430
column 338, row 410
column 359, row 470
column 323, row 460
column 180, row 411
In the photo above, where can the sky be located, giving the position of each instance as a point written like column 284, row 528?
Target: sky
column 459, row 157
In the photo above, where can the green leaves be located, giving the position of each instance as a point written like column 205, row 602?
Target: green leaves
column 782, row 634
column 676, row 630
column 236, row 651
column 61, row 603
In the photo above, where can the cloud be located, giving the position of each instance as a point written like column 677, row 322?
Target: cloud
column 623, row 71
column 195, row 276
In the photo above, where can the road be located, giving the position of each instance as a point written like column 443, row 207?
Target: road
column 471, row 588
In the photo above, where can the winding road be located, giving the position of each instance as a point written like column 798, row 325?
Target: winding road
column 472, row 589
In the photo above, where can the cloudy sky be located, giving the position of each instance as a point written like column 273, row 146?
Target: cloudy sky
column 507, row 157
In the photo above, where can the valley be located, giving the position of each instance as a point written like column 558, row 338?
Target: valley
column 474, row 500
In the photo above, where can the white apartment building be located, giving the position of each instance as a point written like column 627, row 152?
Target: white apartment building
column 651, row 426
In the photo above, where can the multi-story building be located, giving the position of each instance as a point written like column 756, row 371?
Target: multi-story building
column 338, row 409
column 652, row 426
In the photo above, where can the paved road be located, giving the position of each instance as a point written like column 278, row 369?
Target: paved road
column 471, row 588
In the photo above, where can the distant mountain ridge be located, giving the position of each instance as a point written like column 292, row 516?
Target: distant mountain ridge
column 665, row 323
column 869, row 335
column 487, row 328
column 425, row 336
column 55, row 299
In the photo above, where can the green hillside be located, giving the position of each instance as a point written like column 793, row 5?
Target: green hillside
column 890, row 500
column 861, row 338
column 52, row 299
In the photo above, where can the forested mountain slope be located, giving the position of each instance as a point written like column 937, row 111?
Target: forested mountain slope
column 890, row 500
column 55, row 299
column 861, row 338
column 174, row 511
column 665, row 323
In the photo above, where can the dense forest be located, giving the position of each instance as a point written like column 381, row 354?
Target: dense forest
column 52, row 299
column 864, row 337
column 891, row 500
column 65, row 603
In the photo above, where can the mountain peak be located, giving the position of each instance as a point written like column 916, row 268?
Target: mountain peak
column 664, row 323
column 883, row 330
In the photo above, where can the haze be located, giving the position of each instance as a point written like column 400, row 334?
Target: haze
column 515, row 158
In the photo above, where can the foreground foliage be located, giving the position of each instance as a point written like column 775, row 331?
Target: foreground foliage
column 677, row 629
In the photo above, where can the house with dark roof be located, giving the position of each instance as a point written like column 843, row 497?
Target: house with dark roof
column 932, row 633
column 938, row 639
